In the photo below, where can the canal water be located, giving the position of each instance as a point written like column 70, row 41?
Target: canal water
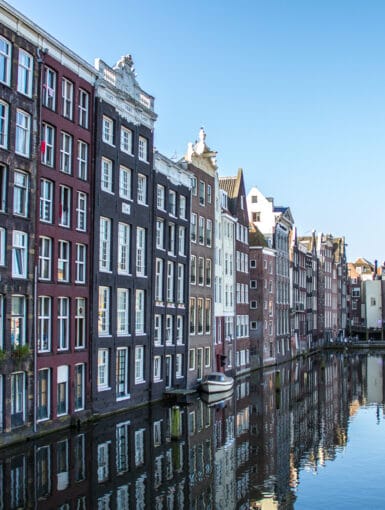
column 307, row 435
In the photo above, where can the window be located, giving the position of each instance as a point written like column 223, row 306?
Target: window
column 209, row 194
column 157, row 330
column 65, row 153
column 139, row 452
column 44, row 311
column 63, row 264
column 256, row 216
column 159, row 280
column 253, row 284
column 48, row 145
column 182, row 207
column 179, row 329
column 139, row 364
column 171, row 238
column 182, row 240
column 193, row 227
column 4, row 122
column 108, row 130
column 172, row 202
column 122, row 459
column 105, row 244
column 17, row 399
column 46, row 200
column 80, row 323
column 207, row 357
column 207, row 316
column 253, row 304
column 201, row 193
column 200, row 315
column 169, row 330
column 170, row 281
column 79, row 386
column 140, row 251
column 3, row 246
column 67, row 94
column 25, row 73
column 126, row 140
column 180, row 285
column 49, row 88
column 103, row 472
column 2, row 335
column 142, row 189
column 84, row 102
column 103, row 373
column 3, row 187
column 5, row 61
column 191, row 359
column 143, row 149
column 179, row 365
column 193, row 270
column 160, row 197
column 356, row 292
column 209, row 233
column 106, row 180
column 208, row 273
column 43, row 394
column 104, row 311
column 253, row 263
column 62, row 390
column 123, row 306
column 81, row 212
column 201, row 270
column 23, row 133
column 201, row 230
column 18, row 320
column 21, row 194
column 139, row 312
column 80, row 263
column 192, row 315
column 122, row 373
column 160, row 234
column 65, row 207
column 82, row 160
column 63, row 322
column 157, row 368
column 19, row 254
column 125, row 176
column 123, row 248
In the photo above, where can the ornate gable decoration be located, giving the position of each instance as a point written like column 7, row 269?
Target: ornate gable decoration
column 201, row 156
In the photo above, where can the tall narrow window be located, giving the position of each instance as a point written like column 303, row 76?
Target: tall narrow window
column 180, row 284
column 193, row 270
column 108, row 130
column 65, row 153
column 157, row 330
column 122, row 373
column 62, row 390
column 123, row 248
column 208, row 272
column 172, row 202
column 21, row 194
column 106, row 177
column 159, row 280
column 3, row 246
column 103, row 372
column 44, row 394
column 67, row 94
column 4, row 123
column 139, row 364
column 200, row 315
column 160, row 194
column 201, row 192
column 18, row 320
column 105, row 244
column 143, row 149
column 207, row 316
column 5, row 61
column 80, row 323
column 209, row 233
column 65, row 207
column 182, row 207
column 192, row 315
column 49, row 88
column 122, row 312
column 46, row 200
column 179, row 329
column 142, row 189
column 140, row 251
column 79, row 386
column 193, row 228
column 2, row 333
column 80, row 263
column 63, row 264
column 182, row 240
column 104, row 311
column 170, row 281
column 44, row 324
column 159, row 242
column 63, row 319
column 82, row 160
column 25, row 73
column 18, row 404
column 125, row 176
column 169, row 330
column 23, row 133
column 84, row 104
column 47, row 145
column 81, row 211
column 19, row 254
column 126, row 140
column 139, row 312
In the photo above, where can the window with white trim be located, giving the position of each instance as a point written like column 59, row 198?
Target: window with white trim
column 191, row 359
column 21, row 194
column 159, row 239
column 160, row 197
column 193, row 228
column 171, row 238
column 139, row 312
column 108, row 130
column 201, row 230
column 169, row 330
column 5, row 61
column 65, row 206
column 44, row 325
column 122, row 379
column 62, row 392
column 81, row 211
column 80, row 263
column 49, row 88
column 202, row 188
column 106, row 177
column 180, row 285
column 25, row 73
column 4, row 124
column 45, row 258
column 18, row 398
column 3, row 187
column 170, row 281
column 209, row 233
column 142, row 189
column 179, row 365
column 124, row 248
column 179, row 329
column 63, row 319
column 172, row 202
column 123, row 310
column 104, row 311
column 207, row 357
column 207, row 316
column 140, row 251
column 79, row 387
column 82, row 159
column 208, row 273
column 44, row 394
column 104, row 244
column 200, row 312
column 209, row 194
column 84, row 105
column 67, row 96
column 47, row 145
column 143, row 149
column 157, row 368
column 65, row 153
column 192, row 315
column 139, row 364
column 126, row 140
column 3, row 246
column 23, row 133
column 182, row 207
column 193, row 270
column 46, row 200
column 157, row 329
column 18, row 320
column 159, row 279
column 19, row 254
column 103, row 369
column 125, row 177
column 182, row 240
column 63, row 264
column 80, row 323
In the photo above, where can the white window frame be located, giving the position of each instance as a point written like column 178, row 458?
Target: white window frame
column 79, row 403
column 139, row 364
column 82, row 159
column 158, row 333
column 67, row 98
column 23, row 133
column 104, row 309
column 63, row 323
column 125, row 182
column 48, row 145
column 160, row 197
column 4, row 124
column 25, row 73
column 178, row 365
column 44, row 327
column 83, row 108
column 159, row 279
column 66, row 144
column 47, row 414
column 159, row 239
column 62, row 382
column 19, row 254
column 179, row 329
column 5, row 61
column 181, row 240
column 80, row 323
column 122, row 312
column 108, row 130
column 126, row 139
column 45, row 258
column 170, row 282
column 80, row 263
column 122, row 376
column 142, row 189
column 140, row 304
column 105, row 228
column 106, row 175
column 143, row 149
column 63, row 267
column 46, row 200
column 140, row 251
column 21, row 193
column 3, row 246
column 180, row 284
column 182, row 207
column 81, row 211
column 49, row 88
column 18, row 320
column 157, row 371
column 124, row 235
column 65, row 201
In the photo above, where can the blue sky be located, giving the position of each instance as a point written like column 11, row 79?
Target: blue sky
column 291, row 91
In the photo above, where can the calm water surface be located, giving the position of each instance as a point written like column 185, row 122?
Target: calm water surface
column 308, row 435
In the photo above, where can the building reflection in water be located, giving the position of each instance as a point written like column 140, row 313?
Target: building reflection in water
column 244, row 452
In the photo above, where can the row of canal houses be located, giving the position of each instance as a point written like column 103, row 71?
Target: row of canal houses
column 123, row 273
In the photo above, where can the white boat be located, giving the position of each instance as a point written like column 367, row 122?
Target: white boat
column 217, row 399
column 216, row 382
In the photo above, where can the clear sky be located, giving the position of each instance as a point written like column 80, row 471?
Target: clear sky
column 292, row 91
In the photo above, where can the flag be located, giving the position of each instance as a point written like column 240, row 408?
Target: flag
column 43, row 147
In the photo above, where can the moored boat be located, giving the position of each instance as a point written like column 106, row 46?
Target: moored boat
column 216, row 382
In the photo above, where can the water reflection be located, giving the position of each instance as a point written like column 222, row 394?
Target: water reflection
column 243, row 452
